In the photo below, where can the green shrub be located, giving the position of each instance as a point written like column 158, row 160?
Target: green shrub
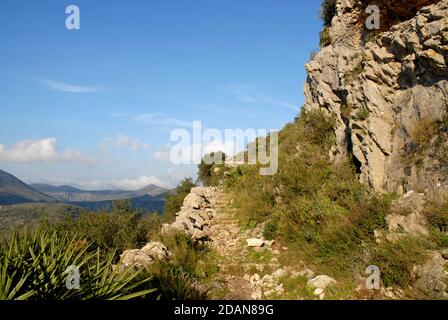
column 173, row 202
column 270, row 230
column 346, row 111
column 437, row 215
column 353, row 74
column 325, row 37
column 396, row 259
column 33, row 266
column 328, row 11
column 210, row 174
column 113, row 231
column 426, row 136
column 362, row 114
column 190, row 263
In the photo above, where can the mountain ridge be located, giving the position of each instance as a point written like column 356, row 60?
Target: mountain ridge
column 15, row 191
column 68, row 193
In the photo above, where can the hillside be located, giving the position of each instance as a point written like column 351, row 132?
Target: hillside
column 13, row 217
column 13, row 191
column 362, row 178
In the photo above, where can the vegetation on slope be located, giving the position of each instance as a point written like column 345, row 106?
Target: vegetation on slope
column 321, row 210
column 33, row 263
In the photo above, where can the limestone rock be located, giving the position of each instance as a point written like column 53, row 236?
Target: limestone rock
column 408, row 216
column 142, row 258
column 321, row 281
column 255, row 243
column 390, row 83
column 136, row 258
column 157, row 251
column 278, row 273
column 432, row 278
column 318, row 291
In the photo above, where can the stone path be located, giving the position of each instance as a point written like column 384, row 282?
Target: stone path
column 241, row 274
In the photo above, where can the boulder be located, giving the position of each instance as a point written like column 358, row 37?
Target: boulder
column 136, row 258
column 157, row 251
column 321, row 281
column 255, row 243
column 193, row 200
column 278, row 273
column 432, row 278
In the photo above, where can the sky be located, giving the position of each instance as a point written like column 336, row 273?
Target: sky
column 95, row 107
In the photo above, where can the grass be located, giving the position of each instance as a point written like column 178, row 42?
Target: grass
column 428, row 138
column 326, row 217
column 353, row 74
column 362, row 114
column 325, row 38
column 261, row 255
column 296, row 288
column 396, row 259
column 191, row 264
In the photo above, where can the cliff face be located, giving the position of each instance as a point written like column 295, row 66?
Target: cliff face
column 389, row 90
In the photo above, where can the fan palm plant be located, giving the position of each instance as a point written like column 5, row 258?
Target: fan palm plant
column 34, row 265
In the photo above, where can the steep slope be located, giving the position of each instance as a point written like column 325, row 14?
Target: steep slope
column 14, row 191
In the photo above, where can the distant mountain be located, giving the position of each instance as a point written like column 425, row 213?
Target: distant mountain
column 145, row 203
column 46, row 188
column 14, row 191
column 71, row 194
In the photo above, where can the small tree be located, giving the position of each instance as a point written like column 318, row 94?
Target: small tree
column 206, row 169
column 328, row 11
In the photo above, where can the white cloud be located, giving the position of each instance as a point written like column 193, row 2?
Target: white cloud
column 153, row 118
column 38, row 150
column 64, row 87
column 247, row 93
column 125, row 142
column 162, row 155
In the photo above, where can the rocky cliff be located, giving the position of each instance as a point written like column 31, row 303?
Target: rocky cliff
column 389, row 90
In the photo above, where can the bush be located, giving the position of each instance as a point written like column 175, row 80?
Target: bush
column 362, row 114
column 191, row 262
column 325, row 38
column 113, row 231
column 427, row 138
column 313, row 204
column 33, row 266
column 437, row 215
column 173, row 202
column 210, row 174
column 270, row 230
column 396, row 259
column 328, row 11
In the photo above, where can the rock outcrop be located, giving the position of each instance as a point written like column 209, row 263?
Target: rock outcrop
column 194, row 219
column 389, row 91
column 141, row 258
column 382, row 86
column 196, row 214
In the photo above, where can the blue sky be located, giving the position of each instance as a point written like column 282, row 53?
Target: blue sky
column 95, row 107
